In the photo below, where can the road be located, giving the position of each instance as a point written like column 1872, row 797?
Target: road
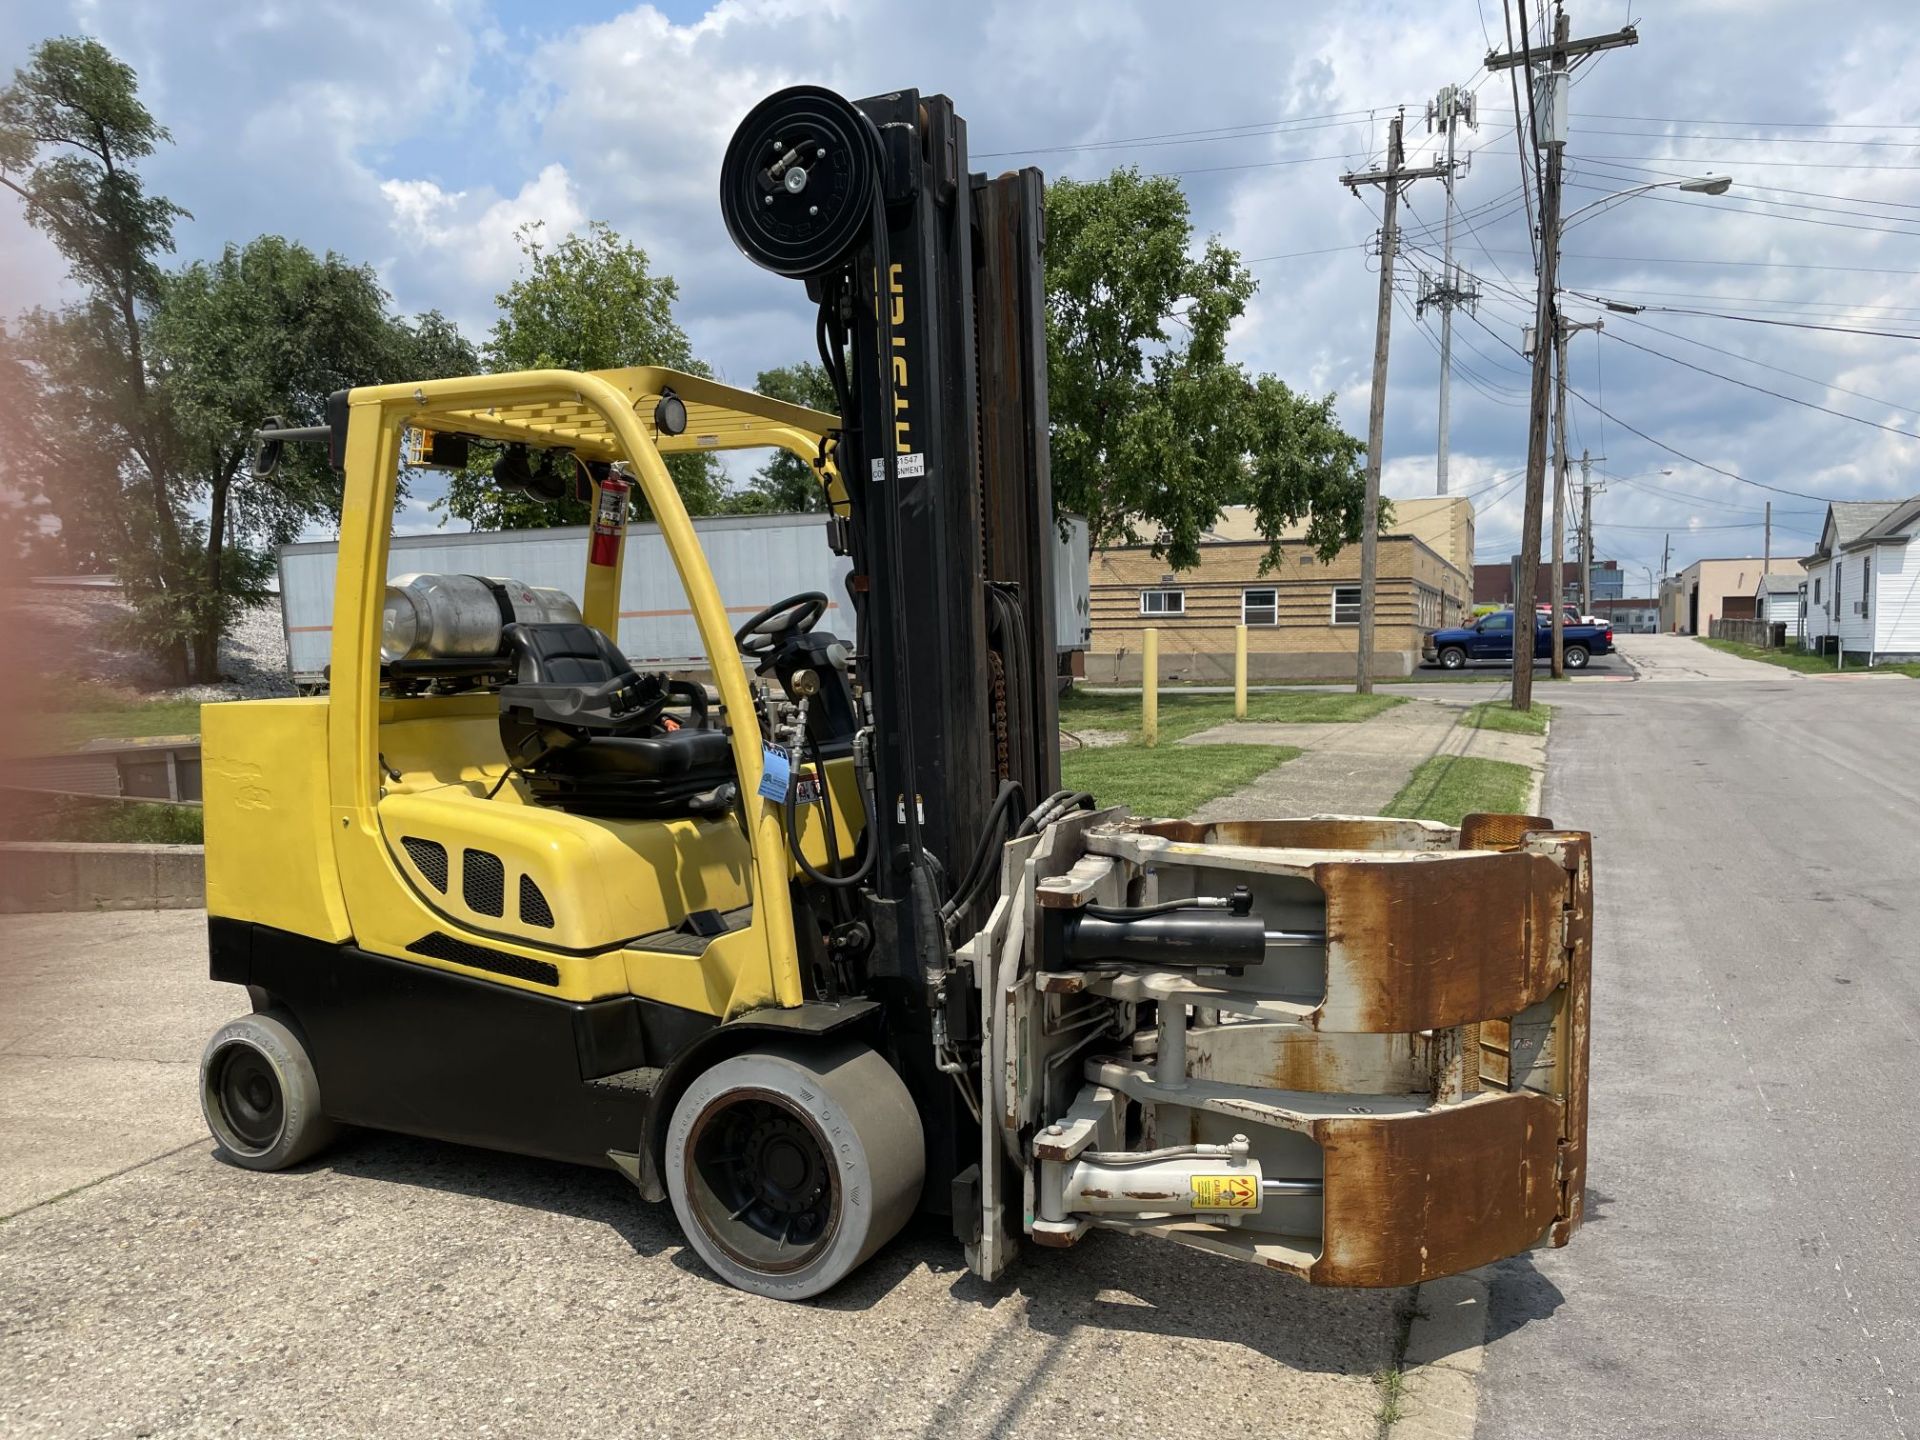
column 402, row 1287
column 1750, row 1261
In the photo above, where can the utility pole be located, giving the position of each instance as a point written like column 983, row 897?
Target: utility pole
column 1587, row 491
column 1766, row 565
column 1390, row 180
column 1547, row 107
column 1666, row 553
column 1449, row 108
column 1563, row 333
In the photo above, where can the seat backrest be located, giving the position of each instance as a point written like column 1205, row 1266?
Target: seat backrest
column 563, row 654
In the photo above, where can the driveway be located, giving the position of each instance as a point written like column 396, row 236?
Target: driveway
column 1750, row 1260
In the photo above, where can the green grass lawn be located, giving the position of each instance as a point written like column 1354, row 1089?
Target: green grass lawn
column 1499, row 715
column 1182, row 715
column 1448, row 788
column 99, row 712
column 1168, row 781
column 1801, row 660
column 106, row 820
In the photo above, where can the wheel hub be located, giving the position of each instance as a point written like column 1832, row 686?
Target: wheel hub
column 250, row 1097
column 761, row 1184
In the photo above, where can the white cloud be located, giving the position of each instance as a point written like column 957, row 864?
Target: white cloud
column 472, row 234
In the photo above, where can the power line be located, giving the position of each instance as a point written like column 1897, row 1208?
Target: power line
column 1776, row 321
column 1255, row 129
column 1695, row 460
column 1778, row 370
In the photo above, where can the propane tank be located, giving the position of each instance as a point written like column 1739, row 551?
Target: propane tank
column 445, row 617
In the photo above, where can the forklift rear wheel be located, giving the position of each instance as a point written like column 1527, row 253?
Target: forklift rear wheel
column 789, row 1167
column 260, row 1095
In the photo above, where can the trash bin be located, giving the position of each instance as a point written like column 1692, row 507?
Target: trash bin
column 1778, row 637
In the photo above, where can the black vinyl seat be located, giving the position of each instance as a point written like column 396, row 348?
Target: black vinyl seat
column 590, row 734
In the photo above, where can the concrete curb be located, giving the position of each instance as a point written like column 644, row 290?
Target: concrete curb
column 1540, row 772
column 1446, row 1349
column 42, row 876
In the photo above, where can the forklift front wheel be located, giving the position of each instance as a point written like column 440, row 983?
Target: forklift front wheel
column 788, row 1167
column 260, row 1095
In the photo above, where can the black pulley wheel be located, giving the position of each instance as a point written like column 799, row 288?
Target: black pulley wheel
column 797, row 185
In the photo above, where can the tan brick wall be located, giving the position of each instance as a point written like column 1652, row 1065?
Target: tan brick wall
column 1416, row 590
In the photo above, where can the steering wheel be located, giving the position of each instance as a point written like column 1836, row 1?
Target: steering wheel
column 761, row 635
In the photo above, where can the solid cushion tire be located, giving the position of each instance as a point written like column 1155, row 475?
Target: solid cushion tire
column 852, row 1100
column 268, row 1044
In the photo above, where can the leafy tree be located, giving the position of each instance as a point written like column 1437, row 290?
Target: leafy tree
column 786, row 483
column 589, row 302
column 142, row 394
column 71, row 129
column 270, row 329
column 30, row 539
column 1154, row 430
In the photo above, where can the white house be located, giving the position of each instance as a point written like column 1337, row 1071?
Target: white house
column 1863, row 582
column 1777, row 597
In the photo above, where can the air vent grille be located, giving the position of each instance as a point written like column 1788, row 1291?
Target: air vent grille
column 429, row 858
column 483, row 882
column 534, row 909
column 478, row 957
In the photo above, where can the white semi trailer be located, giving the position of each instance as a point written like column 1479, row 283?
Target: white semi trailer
column 756, row 559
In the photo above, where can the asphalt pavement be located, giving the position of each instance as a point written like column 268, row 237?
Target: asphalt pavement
column 1750, row 1262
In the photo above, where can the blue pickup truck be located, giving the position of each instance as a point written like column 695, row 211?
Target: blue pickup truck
column 1491, row 638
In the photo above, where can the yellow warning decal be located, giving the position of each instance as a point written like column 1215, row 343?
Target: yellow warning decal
column 1225, row 1192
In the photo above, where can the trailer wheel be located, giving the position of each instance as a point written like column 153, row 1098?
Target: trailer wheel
column 260, row 1095
column 789, row 1167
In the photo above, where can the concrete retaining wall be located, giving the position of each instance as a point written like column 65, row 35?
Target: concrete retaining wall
column 51, row 875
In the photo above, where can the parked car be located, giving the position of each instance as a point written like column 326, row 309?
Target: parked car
column 1491, row 638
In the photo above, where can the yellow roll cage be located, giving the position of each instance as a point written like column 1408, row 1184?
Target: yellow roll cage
column 599, row 415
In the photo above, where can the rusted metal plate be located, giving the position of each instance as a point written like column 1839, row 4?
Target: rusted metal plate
column 1410, row 1198
column 1428, row 946
column 1499, row 832
column 1277, row 1056
column 1576, row 848
column 1315, row 832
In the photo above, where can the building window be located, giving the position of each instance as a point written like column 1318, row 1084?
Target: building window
column 1816, row 590
column 1259, row 607
column 1346, row 605
column 1163, row 602
column 1426, row 608
column 1866, row 584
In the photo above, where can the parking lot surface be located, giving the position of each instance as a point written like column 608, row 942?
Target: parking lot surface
column 402, row 1286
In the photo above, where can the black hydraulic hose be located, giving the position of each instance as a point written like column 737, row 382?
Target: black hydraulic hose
column 820, row 877
column 980, row 868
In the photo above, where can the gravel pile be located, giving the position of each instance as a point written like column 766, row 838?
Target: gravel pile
column 74, row 631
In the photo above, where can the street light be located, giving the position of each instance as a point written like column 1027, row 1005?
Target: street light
column 1696, row 185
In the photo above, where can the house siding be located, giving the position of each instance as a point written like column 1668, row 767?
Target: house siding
column 1896, row 584
column 1856, row 630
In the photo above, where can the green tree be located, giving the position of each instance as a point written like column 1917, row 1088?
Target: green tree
column 1154, row 430
column 589, row 302
column 71, row 130
column 787, row 484
column 269, row 329
column 143, row 393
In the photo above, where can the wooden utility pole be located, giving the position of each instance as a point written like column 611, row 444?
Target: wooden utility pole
column 1547, row 110
column 1766, row 565
column 1389, row 179
column 1587, row 492
column 1558, row 650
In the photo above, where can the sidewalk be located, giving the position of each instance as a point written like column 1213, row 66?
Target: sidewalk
column 1346, row 770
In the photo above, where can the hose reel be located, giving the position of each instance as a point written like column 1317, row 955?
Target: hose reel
column 798, row 182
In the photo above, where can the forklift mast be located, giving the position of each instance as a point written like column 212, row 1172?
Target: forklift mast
column 932, row 325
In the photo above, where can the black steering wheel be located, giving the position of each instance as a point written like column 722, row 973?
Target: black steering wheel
column 761, row 635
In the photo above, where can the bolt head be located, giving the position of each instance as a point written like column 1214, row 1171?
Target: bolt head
column 767, row 200
column 821, row 153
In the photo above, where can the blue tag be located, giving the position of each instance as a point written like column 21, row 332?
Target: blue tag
column 775, row 771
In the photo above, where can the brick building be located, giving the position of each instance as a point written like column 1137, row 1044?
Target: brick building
column 1302, row 616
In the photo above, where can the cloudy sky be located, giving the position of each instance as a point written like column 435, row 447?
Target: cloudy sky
column 417, row 134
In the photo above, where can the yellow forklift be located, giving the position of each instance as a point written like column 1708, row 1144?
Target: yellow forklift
column 814, row 938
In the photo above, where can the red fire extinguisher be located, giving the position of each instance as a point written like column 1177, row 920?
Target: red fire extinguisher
column 609, row 519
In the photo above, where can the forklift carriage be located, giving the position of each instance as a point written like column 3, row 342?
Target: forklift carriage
column 804, row 949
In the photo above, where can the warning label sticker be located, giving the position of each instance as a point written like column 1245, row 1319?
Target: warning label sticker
column 1225, row 1192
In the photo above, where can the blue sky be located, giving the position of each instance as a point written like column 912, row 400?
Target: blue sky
column 417, row 134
